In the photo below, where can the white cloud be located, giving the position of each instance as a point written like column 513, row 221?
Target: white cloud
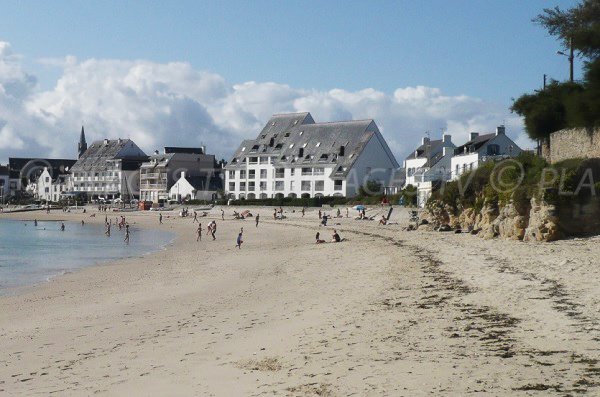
column 173, row 104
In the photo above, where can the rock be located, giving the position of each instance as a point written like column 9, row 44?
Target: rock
column 444, row 228
column 543, row 222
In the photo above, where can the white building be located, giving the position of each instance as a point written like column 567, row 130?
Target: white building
column 108, row 169
column 199, row 187
column 430, row 161
column 482, row 148
column 295, row 157
column 4, row 184
column 161, row 172
column 50, row 189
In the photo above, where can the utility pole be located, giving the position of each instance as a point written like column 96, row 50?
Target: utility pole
column 544, row 81
column 571, row 58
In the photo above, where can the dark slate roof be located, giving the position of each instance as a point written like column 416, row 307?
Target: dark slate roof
column 192, row 150
column 200, row 182
column 97, row 154
column 434, row 146
column 475, row 144
column 3, row 170
column 285, row 135
column 32, row 167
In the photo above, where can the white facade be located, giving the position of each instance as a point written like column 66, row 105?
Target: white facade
column 295, row 157
column 49, row 190
column 183, row 189
column 108, row 169
column 424, row 163
column 479, row 149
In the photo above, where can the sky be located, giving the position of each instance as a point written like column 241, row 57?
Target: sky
column 212, row 72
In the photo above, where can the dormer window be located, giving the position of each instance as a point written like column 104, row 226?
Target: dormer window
column 244, row 149
column 304, row 145
column 291, row 145
column 318, row 144
column 301, row 132
column 287, row 134
column 278, row 146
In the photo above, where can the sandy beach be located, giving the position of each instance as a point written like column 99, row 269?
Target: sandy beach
column 386, row 313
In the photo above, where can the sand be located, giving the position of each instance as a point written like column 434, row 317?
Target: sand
column 386, row 313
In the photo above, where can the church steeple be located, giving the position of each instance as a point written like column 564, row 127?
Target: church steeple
column 82, row 146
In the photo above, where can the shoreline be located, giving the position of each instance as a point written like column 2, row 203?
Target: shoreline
column 30, row 287
column 385, row 313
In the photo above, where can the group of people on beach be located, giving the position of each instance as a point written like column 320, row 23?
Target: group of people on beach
column 335, row 238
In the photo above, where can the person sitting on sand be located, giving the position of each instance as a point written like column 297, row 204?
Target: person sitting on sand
column 318, row 238
column 324, row 220
column 336, row 237
column 383, row 220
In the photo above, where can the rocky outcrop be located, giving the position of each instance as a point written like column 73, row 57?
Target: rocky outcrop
column 543, row 222
column 534, row 221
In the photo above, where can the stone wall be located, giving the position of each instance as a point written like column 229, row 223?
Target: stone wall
column 573, row 143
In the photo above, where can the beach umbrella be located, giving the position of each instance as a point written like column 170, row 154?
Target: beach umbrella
column 359, row 207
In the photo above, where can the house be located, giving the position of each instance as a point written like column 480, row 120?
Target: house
column 108, row 169
column 482, row 148
column 199, row 187
column 26, row 171
column 50, row 188
column 294, row 156
column 4, row 182
column 161, row 172
column 430, row 161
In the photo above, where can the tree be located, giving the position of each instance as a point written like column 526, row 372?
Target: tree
column 370, row 188
column 567, row 105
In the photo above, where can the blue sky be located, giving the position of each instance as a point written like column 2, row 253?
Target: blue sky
column 486, row 50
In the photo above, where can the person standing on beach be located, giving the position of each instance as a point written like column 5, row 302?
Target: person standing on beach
column 347, row 212
column 199, row 232
column 107, row 231
column 239, row 239
column 126, row 234
column 222, row 214
column 62, row 226
column 320, row 214
column 257, row 219
column 303, row 210
column 82, row 223
column 160, row 219
column 195, row 217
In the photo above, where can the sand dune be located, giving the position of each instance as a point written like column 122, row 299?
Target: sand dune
column 387, row 313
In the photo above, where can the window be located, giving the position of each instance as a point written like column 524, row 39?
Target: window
column 254, row 148
column 264, row 160
column 292, row 171
column 263, row 174
column 243, row 174
column 291, row 185
column 47, row 179
column 305, row 186
column 318, row 144
column 279, row 172
column 251, row 186
column 337, row 185
column 319, row 186
column 231, row 186
column 306, row 171
column 262, row 186
column 319, row 171
column 251, row 174
column 278, row 146
column 253, row 160
column 278, row 186
column 242, row 185
column 287, row 134
column 301, row 132
column 231, row 174
column 493, row 150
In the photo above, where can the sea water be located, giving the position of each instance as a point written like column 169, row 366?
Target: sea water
column 32, row 254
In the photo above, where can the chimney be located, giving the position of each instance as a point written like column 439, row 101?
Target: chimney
column 342, row 150
column 445, row 150
column 425, row 140
column 203, row 149
column 500, row 130
column 156, row 152
column 106, row 141
column 183, row 174
column 473, row 135
column 446, row 138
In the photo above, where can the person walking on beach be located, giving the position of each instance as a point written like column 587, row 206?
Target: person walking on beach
column 160, row 219
column 303, row 210
column 107, row 231
column 257, row 219
column 239, row 239
column 199, row 232
column 212, row 229
column 195, row 217
column 62, row 226
column 222, row 214
column 320, row 214
column 126, row 234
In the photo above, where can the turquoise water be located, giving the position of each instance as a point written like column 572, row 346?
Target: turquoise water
column 32, row 254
